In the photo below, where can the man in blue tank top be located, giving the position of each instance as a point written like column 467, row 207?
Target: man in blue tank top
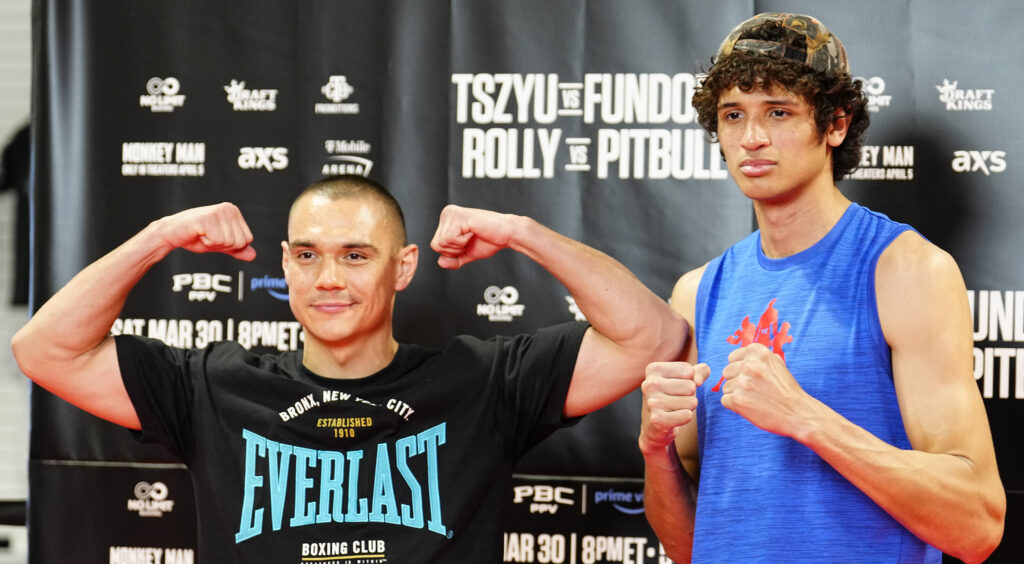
column 840, row 420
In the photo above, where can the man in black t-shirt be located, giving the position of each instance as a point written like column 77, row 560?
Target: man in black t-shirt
column 356, row 443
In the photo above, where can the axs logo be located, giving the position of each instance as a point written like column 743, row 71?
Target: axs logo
column 268, row 158
column 987, row 162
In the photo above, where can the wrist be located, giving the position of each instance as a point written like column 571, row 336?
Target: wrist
column 653, row 448
column 520, row 232
column 806, row 427
column 153, row 242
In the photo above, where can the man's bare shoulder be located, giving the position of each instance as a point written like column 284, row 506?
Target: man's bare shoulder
column 684, row 294
column 688, row 283
column 912, row 259
column 919, row 292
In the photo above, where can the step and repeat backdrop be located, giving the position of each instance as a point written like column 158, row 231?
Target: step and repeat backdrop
column 573, row 112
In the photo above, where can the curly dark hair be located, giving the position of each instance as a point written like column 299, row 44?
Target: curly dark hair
column 826, row 93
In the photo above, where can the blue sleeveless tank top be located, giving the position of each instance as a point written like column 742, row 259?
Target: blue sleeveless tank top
column 768, row 498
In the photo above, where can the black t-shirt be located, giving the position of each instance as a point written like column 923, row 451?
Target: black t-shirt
column 411, row 464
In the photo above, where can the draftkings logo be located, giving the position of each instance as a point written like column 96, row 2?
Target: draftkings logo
column 266, row 158
column 964, row 100
column 151, row 500
column 500, row 304
column 343, row 157
column 985, row 162
column 337, row 90
column 243, row 99
column 162, row 95
column 874, row 89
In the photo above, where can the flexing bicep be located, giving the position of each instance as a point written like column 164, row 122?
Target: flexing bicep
column 606, row 369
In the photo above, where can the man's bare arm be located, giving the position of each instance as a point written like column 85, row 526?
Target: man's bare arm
column 66, row 347
column 668, row 436
column 630, row 325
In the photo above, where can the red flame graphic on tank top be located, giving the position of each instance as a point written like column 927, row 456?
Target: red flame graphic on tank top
column 767, row 332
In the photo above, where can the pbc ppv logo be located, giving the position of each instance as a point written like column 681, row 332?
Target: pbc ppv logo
column 544, row 499
column 987, row 162
column 501, row 304
column 162, row 95
column 151, row 500
column 268, row 158
column 202, row 286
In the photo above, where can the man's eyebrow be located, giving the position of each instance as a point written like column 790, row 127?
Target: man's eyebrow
column 772, row 102
column 306, row 244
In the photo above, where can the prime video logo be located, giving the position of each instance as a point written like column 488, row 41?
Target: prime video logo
column 276, row 287
column 624, row 502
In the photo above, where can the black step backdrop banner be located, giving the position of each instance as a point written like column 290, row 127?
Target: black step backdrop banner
column 574, row 112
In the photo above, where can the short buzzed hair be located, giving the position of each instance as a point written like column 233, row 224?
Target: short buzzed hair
column 355, row 186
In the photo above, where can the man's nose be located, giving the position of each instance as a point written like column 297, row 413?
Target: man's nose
column 755, row 135
column 330, row 276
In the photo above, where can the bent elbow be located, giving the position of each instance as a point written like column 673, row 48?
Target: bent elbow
column 989, row 531
column 20, row 348
column 671, row 339
column 31, row 355
column 994, row 530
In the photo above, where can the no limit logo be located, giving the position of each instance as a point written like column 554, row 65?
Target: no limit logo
column 151, row 500
column 162, row 95
column 501, row 304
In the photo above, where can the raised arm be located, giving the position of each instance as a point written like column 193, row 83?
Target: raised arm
column 668, row 435
column 66, row 347
column 630, row 325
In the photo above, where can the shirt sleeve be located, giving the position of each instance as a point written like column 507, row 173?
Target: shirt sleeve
column 160, row 386
column 536, row 372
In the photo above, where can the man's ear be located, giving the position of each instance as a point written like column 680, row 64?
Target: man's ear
column 836, row 133
column 408, row 258
column 284, row 260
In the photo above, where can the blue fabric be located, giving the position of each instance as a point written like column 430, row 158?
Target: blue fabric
column 765, row 497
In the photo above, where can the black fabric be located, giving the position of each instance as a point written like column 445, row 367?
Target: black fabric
column 413, row 462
